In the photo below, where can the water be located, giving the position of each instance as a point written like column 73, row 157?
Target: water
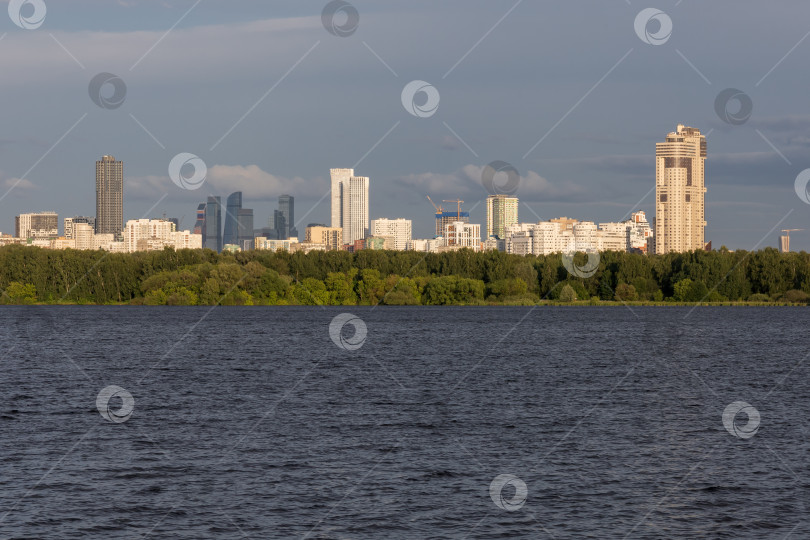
column 252, row 423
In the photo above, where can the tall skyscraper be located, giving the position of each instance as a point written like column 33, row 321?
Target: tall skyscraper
column 502, row 211
column 233, row 206
column 680, row 191
column 213, row 224
column 339, row 176
column 109, row 196
column 350, row 204
column 244, row 232
column 199, row 225
column 286, row 210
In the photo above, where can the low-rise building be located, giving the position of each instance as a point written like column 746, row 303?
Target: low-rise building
column 331, row 237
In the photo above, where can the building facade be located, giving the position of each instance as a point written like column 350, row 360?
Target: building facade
column 36, row 225
column 680, row 191
column 350, row 204
column 213, row 224
column 502, row 211
column 72, row 221
column 400, row 230
column 109, row 196
column 331, row 237
column 462, row 235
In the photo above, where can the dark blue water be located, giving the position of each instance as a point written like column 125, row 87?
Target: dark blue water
column 253, row 423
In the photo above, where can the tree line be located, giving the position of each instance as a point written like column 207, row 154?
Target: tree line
column 202, row 277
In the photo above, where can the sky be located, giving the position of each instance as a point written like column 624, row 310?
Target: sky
column 569, row 93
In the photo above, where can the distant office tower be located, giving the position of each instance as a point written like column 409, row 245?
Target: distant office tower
column 36, row 225
column 232, row 209
column 199, row 225
column 350, row 204
column 502, row 211
column 680, row 189
column 399, row 230
column 70, row 224
column 213, row 224
column 286, row 214
column 109, row 196
column 244, row 233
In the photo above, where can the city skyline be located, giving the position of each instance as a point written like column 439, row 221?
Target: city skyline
column 586, row 164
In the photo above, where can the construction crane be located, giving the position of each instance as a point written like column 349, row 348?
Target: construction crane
column 438, row 208
column 785, row 239
column 459, row 202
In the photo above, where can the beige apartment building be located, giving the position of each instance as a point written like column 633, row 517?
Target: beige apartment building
column 502, row 212
column 331, row 237
column 680, row 191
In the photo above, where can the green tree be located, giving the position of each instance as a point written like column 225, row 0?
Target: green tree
column 567, row 294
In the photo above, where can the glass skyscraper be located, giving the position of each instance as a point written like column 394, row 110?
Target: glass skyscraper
column 213, row 224
column 233, row 207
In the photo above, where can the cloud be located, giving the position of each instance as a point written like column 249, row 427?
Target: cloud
column 466, row 182
column 18, row 186
column 255, row 184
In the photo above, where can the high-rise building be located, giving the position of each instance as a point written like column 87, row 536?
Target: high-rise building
column 350, row 204
column 445, row 218
column 70, row 224
column 109, row 196
column 399, row 230
column 680, row 191
column 36, row 225
column 199, row 225
column 286, row 215
column 338, row 176
column 233, row 205
column 213, row 224
column 502, row 211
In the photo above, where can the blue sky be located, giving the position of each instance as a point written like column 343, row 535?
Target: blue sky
column 574, row 74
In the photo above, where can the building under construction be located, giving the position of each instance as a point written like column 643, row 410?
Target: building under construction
column 445, row 217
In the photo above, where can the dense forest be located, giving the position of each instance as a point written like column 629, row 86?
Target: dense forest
column 31, row 275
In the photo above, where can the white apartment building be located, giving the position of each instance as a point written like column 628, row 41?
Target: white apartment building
column 428, row 245
column 459, row 234
column 350, row 204
column 400, row 230
column 269, row 244
column 564, row 235
column 36, row 225
column 156, row 234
